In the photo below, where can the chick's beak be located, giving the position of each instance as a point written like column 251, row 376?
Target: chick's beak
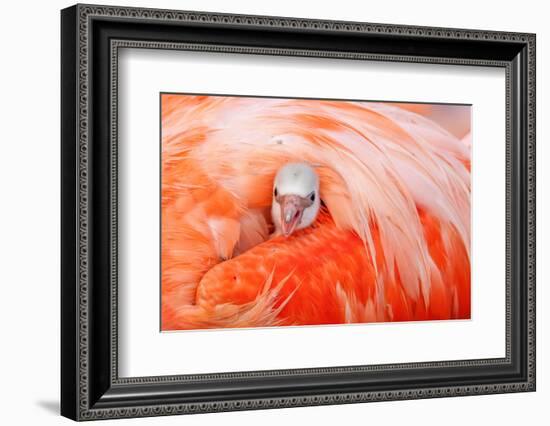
column 292, row 208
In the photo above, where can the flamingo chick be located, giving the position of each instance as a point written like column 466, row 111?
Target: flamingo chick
column 296, row 199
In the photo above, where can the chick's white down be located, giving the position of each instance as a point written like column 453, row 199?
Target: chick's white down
column 301, row 181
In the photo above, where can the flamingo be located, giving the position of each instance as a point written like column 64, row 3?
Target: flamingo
column 281, row 212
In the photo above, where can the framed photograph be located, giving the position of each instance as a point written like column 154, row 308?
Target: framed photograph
column 263, row 212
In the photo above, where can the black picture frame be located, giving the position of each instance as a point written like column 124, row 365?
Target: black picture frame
column 90, row 38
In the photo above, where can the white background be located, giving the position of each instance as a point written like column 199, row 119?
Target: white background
column 146, row 352
column 29, row 225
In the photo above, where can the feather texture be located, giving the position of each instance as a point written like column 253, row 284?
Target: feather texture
column 392, row 244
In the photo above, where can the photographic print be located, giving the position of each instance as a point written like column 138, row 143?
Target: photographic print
column 294, row 212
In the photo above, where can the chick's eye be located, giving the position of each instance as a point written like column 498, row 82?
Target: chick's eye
column 275, row 192
column 312, row 196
